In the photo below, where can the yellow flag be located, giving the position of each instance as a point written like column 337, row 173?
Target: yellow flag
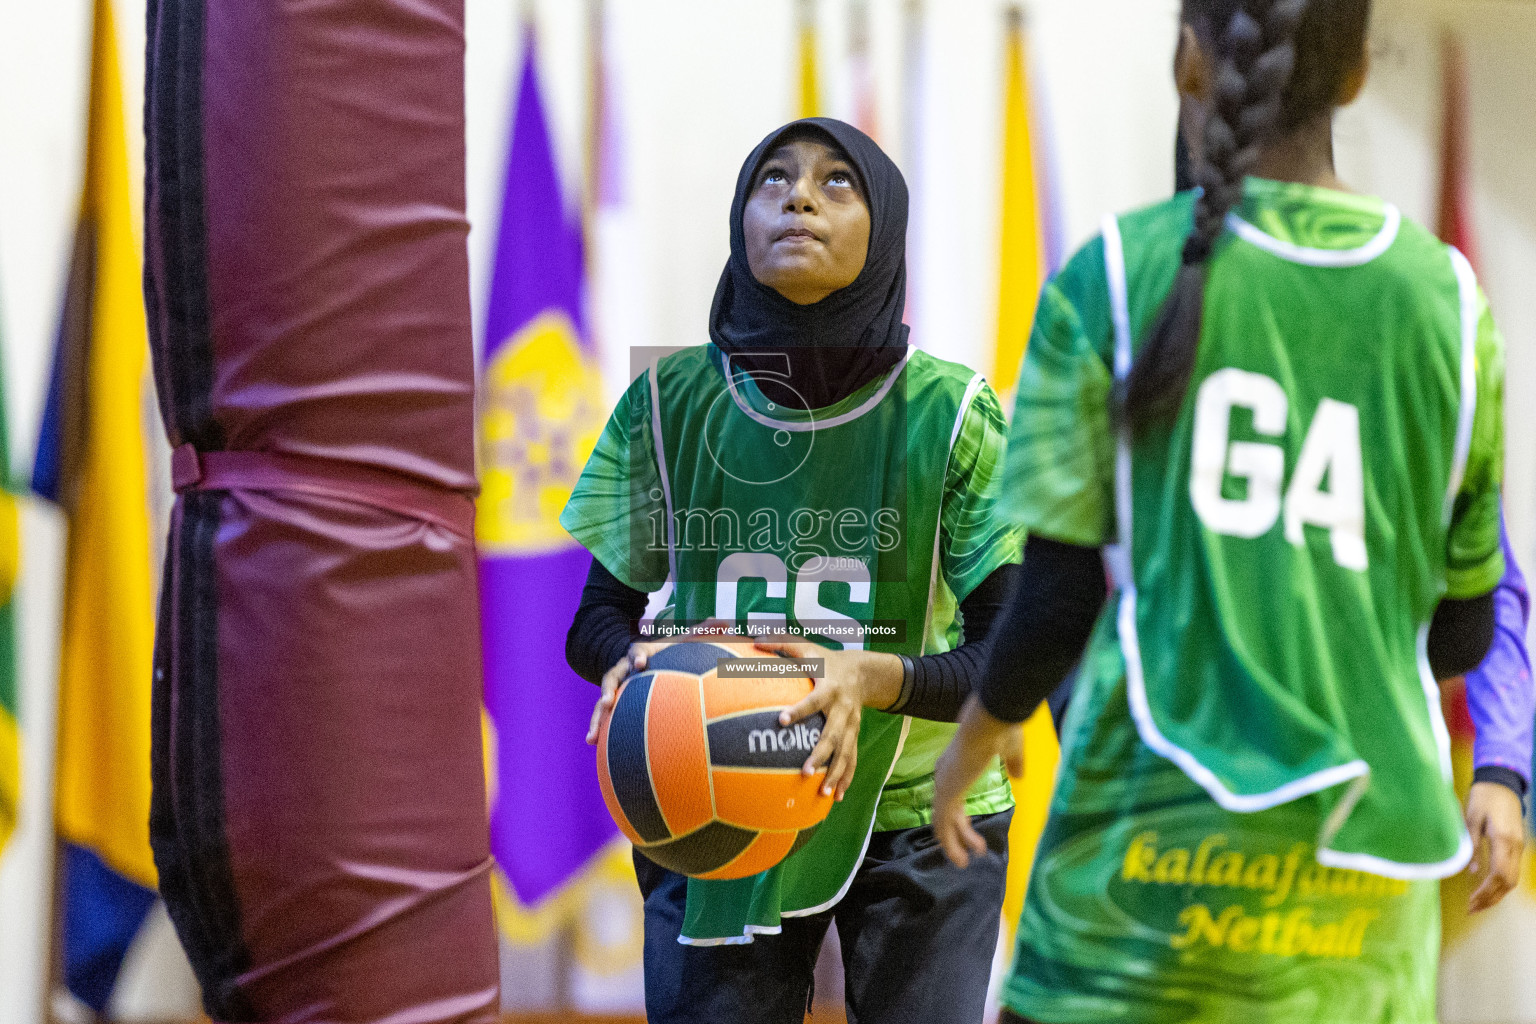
column 1032, row 802
column 100, row 478
column 810, row 78
column 1022, row 249
column 10, row 733
column 1023, row 268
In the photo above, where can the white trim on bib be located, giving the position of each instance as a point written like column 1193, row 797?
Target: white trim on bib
column 661, row 462
column 800, row 426
column 1310, row 257
column 1466, row 285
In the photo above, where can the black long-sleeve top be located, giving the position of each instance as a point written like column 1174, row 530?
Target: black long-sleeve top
column 933, row 686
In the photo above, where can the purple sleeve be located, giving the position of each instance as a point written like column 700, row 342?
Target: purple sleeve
column 1500, row 696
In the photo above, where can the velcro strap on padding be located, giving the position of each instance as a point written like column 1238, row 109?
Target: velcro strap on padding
column 405, row 495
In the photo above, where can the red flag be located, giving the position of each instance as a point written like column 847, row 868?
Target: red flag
column 1454, row 224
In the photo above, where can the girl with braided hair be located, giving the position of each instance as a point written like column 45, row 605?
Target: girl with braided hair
column 1274, row 408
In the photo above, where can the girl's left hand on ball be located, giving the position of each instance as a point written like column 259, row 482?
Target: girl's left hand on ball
column 976, row 744
column 852, row 681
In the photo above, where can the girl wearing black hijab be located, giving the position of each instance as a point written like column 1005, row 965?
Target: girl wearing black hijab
column 809, row 473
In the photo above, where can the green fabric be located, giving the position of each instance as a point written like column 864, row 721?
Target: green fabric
column 1149, row 903
column 835, row 517
column 1058, row 480
column 611, row 510
column 1469, row 571
column 973, row 542
column 1273, row 648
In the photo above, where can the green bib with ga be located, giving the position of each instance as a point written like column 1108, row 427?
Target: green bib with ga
column 1255, row 796
column 1287, row 540
column 823, row 523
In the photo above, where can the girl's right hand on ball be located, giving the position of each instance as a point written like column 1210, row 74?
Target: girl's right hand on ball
column 635, row 661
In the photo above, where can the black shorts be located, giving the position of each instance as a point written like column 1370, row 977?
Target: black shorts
column 918, row 936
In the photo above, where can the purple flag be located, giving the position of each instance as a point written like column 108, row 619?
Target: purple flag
column 540, row 415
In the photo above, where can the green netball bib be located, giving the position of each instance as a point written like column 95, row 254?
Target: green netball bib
column 860, row 526
column 1255, row 798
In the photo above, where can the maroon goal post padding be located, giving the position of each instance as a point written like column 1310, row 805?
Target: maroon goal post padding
column 319, row 817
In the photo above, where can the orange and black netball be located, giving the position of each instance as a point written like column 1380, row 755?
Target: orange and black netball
column 697, row 770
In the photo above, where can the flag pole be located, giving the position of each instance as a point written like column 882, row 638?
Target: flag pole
column 55, row 973
column 805, row 36
column 597, row 100
column 524, row 31
column 592, row 187
column 911, row 120
column 1453, row 215
column 865, row 102
column 911, row 91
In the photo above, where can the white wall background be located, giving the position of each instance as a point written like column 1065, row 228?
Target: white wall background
column 699, row 82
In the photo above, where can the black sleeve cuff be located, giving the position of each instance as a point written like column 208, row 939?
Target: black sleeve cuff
column 1460, row 635
column 908, row 677
column 1503, row 776
column 935, row 686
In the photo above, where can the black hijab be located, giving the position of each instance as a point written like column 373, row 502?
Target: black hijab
column 852, row 336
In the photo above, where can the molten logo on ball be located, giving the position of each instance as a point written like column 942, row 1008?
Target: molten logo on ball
column 796, row 737
column 754, row 739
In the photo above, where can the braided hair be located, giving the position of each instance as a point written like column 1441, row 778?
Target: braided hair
column 1278, row 64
